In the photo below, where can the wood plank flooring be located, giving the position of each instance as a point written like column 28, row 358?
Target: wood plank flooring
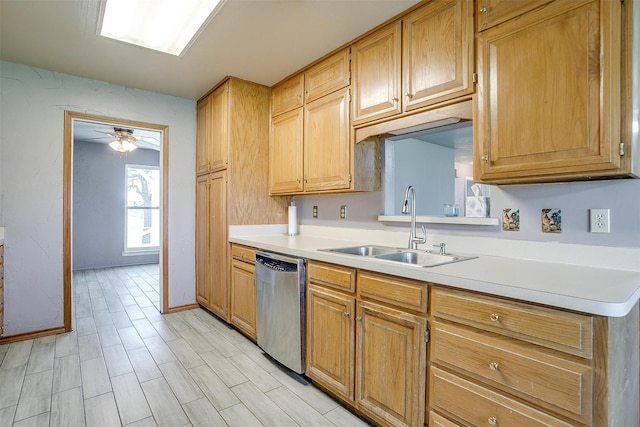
column 125, row 364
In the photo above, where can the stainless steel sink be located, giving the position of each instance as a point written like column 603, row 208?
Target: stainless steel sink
column 417, row 258
column 364, row 250
column 423, row 259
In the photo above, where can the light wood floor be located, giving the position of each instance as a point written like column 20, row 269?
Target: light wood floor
column 126, row 364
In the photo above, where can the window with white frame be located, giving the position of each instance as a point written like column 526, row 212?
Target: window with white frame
column 142, row 208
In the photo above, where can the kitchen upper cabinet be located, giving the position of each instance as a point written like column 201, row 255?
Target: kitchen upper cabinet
column 549, row 95
column 219, row 130
column 376, row 74
column 212, row 139
column 203, row 164
column 391, row 365
column 437, row 53
column 286, row 153
column 311, row 149
column 327, row 143
column 423, row 59
column 493, row 12
column 211, row 244
column 288, row 95
column 327, row 76
column 243, row 290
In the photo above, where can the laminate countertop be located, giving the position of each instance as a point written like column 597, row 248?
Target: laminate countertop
column 600, row 291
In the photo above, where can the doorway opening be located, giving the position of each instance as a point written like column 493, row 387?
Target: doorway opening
column 115, row 208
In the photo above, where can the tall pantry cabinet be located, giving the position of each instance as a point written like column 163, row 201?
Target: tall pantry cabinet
column 232, row 143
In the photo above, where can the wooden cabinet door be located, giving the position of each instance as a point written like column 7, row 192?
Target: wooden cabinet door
column 287, row 95
column 391, row 364
column 202, row 241
column 285, row 153
column 437, row 53
column 243, row 297
column 493, row 12
column 376, row 74
column 202, row 136
column 331, row 340
column 218, row 245
column 327, row 76
column 219, row 129
column 548, row 102
column 327, row 143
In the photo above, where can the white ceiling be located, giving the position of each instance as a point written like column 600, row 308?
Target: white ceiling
column 259, row 40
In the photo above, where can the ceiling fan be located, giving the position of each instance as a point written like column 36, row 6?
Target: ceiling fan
column 124, row 141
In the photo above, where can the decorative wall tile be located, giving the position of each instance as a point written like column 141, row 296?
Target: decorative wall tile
column 551, row 220
column 511, row 219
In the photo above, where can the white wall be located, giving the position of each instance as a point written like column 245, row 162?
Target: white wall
column 32, row 105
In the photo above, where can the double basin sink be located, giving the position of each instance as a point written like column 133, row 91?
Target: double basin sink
column 405, row 256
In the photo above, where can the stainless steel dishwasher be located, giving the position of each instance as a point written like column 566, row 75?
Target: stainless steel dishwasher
column 280, row 308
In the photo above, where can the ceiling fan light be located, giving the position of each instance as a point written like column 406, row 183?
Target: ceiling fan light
column 167, row 26
column 122, row 146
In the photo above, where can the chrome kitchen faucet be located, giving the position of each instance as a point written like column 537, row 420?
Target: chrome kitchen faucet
column 413, row 239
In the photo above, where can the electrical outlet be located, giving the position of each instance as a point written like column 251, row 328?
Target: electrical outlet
column 315, row 211
column 343, row 212
column 599, row 221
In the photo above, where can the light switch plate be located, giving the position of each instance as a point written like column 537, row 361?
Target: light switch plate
column 599, row 221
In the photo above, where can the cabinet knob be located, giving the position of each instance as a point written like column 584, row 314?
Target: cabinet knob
column 495, row 317
column 493, row 421
column 485, row 158
column 494, row 366
column 395, row 99
column 359, row 319
column 298, row 181
column 484, row 9
column 347, row 314
column 408, row 95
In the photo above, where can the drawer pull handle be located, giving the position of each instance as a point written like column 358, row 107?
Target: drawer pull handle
column 494, row 317
column 494, row 366
column 493, row 421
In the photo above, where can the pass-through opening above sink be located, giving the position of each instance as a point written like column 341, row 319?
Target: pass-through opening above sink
column 404, row 256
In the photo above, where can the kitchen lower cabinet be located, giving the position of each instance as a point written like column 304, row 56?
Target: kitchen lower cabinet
column 390, row 365
column 370, row 355
column 495, row 361
column 243, row 290
column 331, row 340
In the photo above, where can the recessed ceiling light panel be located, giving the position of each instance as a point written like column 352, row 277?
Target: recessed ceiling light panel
column 168, row 26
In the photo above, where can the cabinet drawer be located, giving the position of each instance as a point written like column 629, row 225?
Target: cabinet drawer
column 332, row 275
column 560, row 330
column 550, row 381
column 479, row 406
column 243, row 253
column 393, row 290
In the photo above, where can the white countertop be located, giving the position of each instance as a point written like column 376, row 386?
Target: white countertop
column 601, row 291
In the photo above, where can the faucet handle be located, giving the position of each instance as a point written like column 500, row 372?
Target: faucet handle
column 423, row 239
column 441, row 246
